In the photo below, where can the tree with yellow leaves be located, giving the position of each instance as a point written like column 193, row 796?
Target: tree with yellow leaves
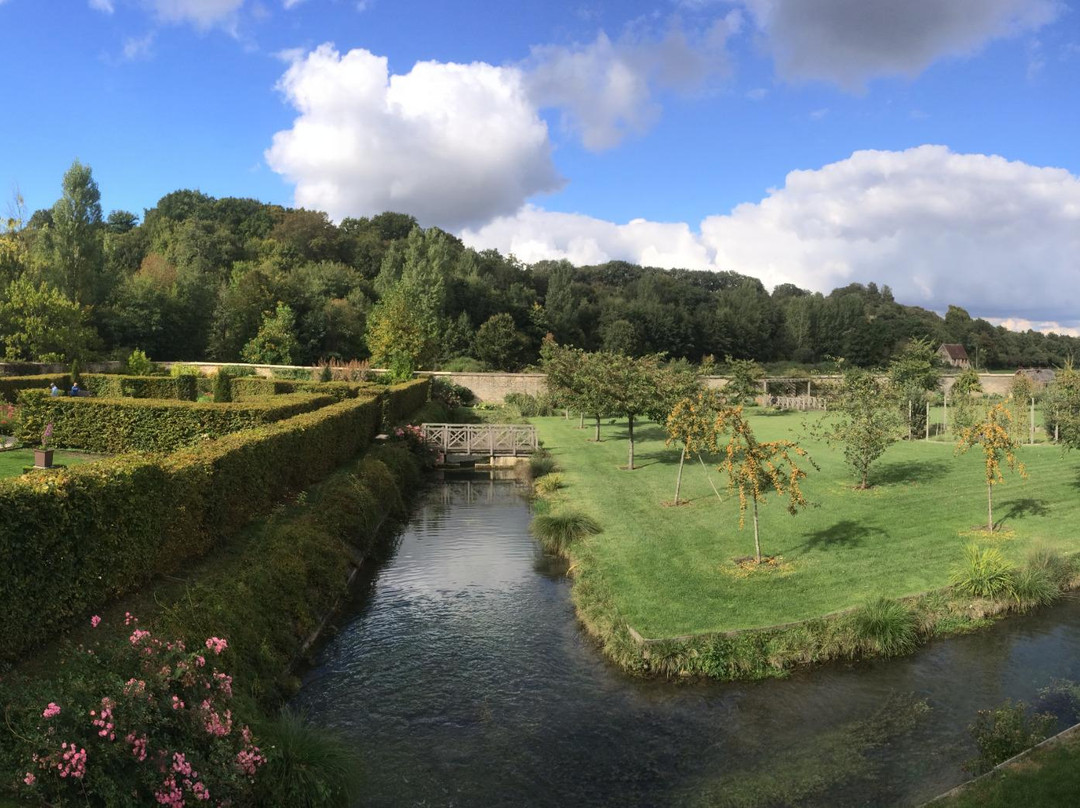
column 690, row 425
column 755, row 469
column 993, row 433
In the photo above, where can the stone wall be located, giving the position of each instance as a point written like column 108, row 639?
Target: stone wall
column 493, row 387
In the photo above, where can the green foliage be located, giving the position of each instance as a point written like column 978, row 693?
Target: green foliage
column 549, row 484
column 180, row 369
column 11, row 386
column 744, row 381
column 73, row 539
column 541, row 463
column 307, row 766
column 139, row 364
column 886, row 627
column 1033, row 587
column 865, row 421
column 529, row 406
column 1059, row 568
column 450, row 394
column 37, row 323
column 1062, row 406
column 499, row 344
column 223, row 387
column 179, row 387
column 275, row 344
column 150, row 425
column 557, row 532
column 1004, row 732
column 914, row 374
column 985, row 573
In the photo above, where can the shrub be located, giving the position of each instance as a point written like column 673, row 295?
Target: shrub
column 1004, row 732
column 295, row 374
column 74, row 539
column 1059, row 568
column 557, row 532
column 139, row 364
column 464, row 364
column 133, row 721
column 223, row 384
column 307, row 766
column 548, row 484
column 528, row 405
column 1032, row 586
column 985, row 573
column 541, row 463
column 11, row 386
column 886, row 627
column 150, row 425
column 450, row 394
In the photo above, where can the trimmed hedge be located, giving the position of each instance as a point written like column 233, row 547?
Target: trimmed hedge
column 181, row 388
column 259, row 387
column 11, row 386
column 73, row 539
column 114, row 425
column 402, row 400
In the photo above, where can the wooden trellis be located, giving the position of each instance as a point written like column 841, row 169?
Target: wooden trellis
column 494, row 440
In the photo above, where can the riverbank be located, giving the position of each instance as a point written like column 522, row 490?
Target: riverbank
column 661, row 588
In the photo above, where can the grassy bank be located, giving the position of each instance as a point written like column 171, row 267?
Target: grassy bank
column 1047, row 777
column 670, row 572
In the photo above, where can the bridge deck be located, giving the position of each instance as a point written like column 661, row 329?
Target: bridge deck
column 494, row 440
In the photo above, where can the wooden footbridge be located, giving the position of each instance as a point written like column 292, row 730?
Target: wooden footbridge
column 490, row 440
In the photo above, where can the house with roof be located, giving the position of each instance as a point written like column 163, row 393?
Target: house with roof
column 954, row 355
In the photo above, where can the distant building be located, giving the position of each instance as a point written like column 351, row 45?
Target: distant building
column 954, row 355
column 1040, row 376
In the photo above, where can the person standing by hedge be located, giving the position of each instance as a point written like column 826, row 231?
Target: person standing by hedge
column 54, row 391
column 75, row 390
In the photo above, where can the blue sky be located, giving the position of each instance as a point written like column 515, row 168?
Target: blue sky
column 934, row 143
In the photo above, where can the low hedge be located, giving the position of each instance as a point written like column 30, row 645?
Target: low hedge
column 73, row 539
column 181, row 388
column 258, row 387
column 114, row 425
column 11, row 386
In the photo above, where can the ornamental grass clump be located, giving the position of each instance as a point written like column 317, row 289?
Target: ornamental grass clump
column 984, row 573
column 886, row 627
column 1033, row 587
column 548, row 484
column 557, row 532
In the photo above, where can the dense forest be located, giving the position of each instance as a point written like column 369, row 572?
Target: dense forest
column 235, row 279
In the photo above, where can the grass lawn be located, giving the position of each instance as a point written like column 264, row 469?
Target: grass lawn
column 1045, row 778
column 670, row 571
column 13, row 462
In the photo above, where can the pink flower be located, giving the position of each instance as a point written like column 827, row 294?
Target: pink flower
column 138, row 635
column 177, row 704
column 200, row 791
column 216, row 644
column 95, row 621
column 29, row 779
column 51, row 710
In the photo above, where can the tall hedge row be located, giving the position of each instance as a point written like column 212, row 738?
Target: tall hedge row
column 114, row 425
column 11, row 386
column 402, row 400
column 73, row 539
column 258, row 387
column 182, row 388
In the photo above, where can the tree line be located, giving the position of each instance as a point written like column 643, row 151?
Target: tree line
column 230, row 279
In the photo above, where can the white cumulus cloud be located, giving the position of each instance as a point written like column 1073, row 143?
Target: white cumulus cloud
column 851, row 41
column 452, row 144
column 104, row 6
column 1000, row 238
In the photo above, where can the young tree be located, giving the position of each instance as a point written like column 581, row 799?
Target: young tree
column 275, row 344
column 1062, row 406
column 76, row 236
column 560, row 364
column 962, row 397
column 755, row 469
column 865, row 421
column 744, row 381
column 914, row 374
column 993, row 434
column 499, row 343
column 691, row 424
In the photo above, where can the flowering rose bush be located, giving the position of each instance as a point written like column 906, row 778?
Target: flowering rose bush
column 8, row 416
column 136, row 722
column 412, row 436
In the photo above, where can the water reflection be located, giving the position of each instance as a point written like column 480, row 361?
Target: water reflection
column 464, row 679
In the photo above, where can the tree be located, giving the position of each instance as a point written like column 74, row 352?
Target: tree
column 560, row 365
column 744, row 381
column 962, row 398
column 755, row 469
column 632, row 388
column 993, row 434
column 1062, row 406
column 691, row 424
column 499, row 343
column 39, row 324
column 76, row 236
column 396, row 339
column 914, row 374
column 275, row 344
column 864, row 422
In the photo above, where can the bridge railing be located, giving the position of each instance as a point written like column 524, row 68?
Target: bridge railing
column 494, row 440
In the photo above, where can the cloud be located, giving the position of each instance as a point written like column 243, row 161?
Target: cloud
column 1045, row 326
column 997, row 237
column 290, row 4
column 606, row 89
column 104, row 6
column 849, row 42
column 202, row 14
column 137, row 48
column 452, row 144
